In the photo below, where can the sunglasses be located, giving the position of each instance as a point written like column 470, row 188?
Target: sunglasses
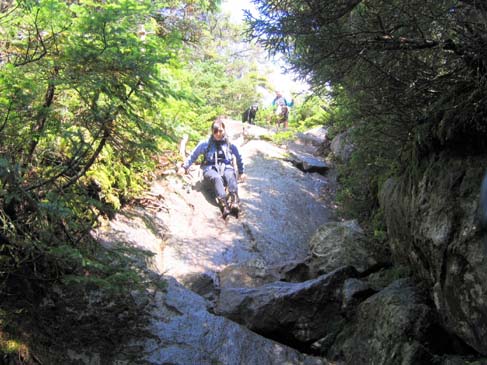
column 218, row 130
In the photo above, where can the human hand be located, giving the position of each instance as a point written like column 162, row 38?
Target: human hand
column 242, row 177
column 182, row 171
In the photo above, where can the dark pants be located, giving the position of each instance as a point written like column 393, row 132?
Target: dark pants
column 219, row 181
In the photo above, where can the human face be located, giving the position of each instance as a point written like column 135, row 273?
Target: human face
column 218, row 133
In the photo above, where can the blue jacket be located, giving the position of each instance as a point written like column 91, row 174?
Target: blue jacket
column 208, row 148
column 281, row 100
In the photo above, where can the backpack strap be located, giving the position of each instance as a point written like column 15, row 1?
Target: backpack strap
column 227, row 151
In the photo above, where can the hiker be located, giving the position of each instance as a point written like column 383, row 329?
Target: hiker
column 218, row 166
column 282, row 109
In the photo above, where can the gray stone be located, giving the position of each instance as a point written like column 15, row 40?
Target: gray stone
column 316, row 136
column 202, row 284
column 342, row 147
column 354, row 292
column 250, row 274
column 184, row 332
column 390, row 327
column 433, row 226
column 291, row 312
column 337, row 244
column 307, row 162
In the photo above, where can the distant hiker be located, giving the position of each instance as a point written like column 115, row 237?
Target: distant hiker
column 282, row 109
column 249, row 114
column 218, row 166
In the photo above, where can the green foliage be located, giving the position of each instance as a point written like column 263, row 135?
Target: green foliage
column 106, row 271
column 86, row 102
column 265, row 117
column 10, row 346
column 312, row 112
column 360, row 179
column 90, row 95
column 410, row 75
column 307, row 112
column 225, row 72
column 341, row 112
column 283, row 135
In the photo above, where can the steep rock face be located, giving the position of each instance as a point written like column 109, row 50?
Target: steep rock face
column 433, row 222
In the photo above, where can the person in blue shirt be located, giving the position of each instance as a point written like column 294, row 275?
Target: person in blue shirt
column 282, row 109
column 218, row 168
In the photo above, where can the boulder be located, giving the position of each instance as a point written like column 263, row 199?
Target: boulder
column 342, row 147
column 291, row 313
column 307, row 162
column 316, row 136
column 251, row 274
column 337, row 244
column 255, row 273
column 182, row 331
column 393, row 326
column 354, row 292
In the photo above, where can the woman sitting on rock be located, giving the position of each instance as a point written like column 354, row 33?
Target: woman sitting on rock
column 218, row 166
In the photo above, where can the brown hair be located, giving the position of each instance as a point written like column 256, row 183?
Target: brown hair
column 218, row 123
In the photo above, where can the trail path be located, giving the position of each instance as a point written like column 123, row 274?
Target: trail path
column 281, row 208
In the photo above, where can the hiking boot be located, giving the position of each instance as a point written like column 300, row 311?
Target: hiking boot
column 225, row 209
column 234, row 203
